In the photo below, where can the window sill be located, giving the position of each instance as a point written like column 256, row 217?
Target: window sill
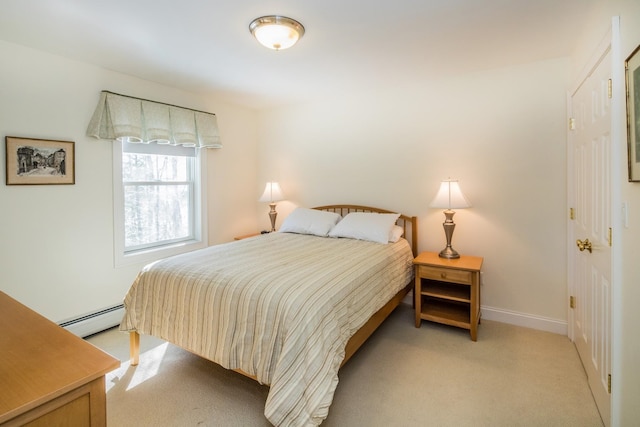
column 145, row 256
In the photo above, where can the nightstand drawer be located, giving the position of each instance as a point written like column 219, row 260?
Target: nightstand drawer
column 445, row 274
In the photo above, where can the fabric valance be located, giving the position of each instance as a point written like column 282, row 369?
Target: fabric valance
column 136, row 120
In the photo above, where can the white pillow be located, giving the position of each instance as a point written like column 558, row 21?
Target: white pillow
column 370, row 226
column 396, row 233
column 309, row 221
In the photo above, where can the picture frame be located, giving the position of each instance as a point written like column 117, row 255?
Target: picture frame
column 632, row 77
column 39, row 161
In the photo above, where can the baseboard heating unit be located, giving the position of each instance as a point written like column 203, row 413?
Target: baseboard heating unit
column 93, row 323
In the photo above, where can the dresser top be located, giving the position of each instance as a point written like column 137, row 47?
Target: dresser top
column 40, row 361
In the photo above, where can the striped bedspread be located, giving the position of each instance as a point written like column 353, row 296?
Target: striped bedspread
column 280, row 307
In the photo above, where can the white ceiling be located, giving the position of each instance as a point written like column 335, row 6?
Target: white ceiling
column 205, row 45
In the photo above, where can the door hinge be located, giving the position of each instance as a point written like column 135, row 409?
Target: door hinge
column 572, row 301
column 572, row 213
column 610, row 88
column 609, row 383
column 572, row 123
column 609, row 237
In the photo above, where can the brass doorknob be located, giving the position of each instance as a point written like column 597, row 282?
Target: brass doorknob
column 582, row 245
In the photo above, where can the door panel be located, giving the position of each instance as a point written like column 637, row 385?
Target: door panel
column 590, row 143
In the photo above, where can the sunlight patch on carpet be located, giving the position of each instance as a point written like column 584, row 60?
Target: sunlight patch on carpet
column 148, row 367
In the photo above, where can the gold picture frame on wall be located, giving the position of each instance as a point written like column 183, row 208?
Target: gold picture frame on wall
column 632, row 76
column 39, row 161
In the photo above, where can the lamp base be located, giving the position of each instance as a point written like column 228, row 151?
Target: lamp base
column 272, row 216
column 448, row 225
column 449, row 253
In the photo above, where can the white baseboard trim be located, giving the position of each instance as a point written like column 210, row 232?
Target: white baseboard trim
column 516, row 318
column 526, row 320
column 93, row 323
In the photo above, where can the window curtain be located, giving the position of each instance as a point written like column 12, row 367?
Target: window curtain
column 136, row 120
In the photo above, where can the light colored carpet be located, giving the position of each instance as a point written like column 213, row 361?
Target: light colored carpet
column 403, row 376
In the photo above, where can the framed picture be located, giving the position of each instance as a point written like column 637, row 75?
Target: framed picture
column 39, row 161
column 632, row 72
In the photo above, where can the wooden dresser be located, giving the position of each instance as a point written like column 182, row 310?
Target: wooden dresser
column 48, row 376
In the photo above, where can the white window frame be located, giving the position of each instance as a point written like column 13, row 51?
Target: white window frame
column 122, row 257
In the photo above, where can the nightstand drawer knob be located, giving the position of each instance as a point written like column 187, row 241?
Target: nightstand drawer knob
column 443, row 275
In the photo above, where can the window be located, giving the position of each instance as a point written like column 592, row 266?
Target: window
column 158, row 201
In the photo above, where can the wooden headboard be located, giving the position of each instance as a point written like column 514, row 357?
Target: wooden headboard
column 408, row 223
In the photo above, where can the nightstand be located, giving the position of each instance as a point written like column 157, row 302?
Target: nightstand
column 246, row 236
column 448, row 291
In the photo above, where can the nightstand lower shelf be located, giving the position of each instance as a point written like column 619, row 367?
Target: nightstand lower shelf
column 448, row 313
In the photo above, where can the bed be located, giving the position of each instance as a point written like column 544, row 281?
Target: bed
column 288, row 308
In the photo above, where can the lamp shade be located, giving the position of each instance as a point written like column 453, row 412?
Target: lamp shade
column 276, row 32
column 450, row 196
column 272, row 193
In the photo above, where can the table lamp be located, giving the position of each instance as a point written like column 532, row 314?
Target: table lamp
column 272, row 193
column 449, row 197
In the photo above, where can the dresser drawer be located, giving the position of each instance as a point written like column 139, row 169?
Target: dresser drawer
column 445, row 274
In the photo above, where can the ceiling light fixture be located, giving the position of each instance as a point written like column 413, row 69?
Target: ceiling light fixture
column 276, row 32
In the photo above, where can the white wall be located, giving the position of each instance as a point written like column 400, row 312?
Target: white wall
column 501, row 133
column 56, row 241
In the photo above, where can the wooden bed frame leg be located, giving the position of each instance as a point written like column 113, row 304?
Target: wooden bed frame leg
column 134, row 348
